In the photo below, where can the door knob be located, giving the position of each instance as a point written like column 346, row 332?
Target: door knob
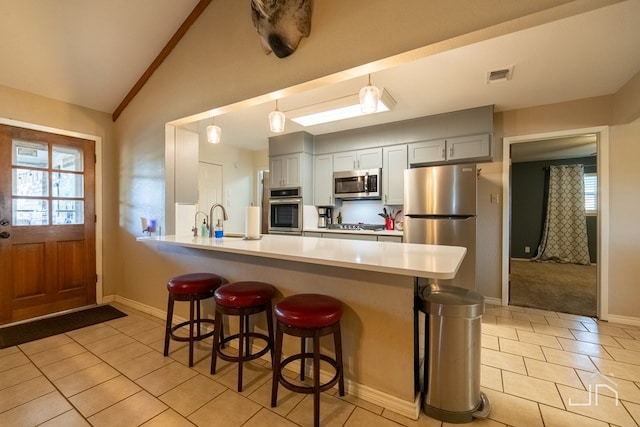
column 4, row 222
column 4, row 235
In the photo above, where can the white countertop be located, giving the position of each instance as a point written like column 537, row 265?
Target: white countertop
column 372, row 232
column 407, row 259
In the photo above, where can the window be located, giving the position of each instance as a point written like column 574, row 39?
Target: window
column 47, row 184
column 591, row 193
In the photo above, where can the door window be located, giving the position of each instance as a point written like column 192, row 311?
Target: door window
column 48, row 184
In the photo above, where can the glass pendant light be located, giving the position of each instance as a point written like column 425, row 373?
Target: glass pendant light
column 369, row 97
column 213, row 133
column 276, row 120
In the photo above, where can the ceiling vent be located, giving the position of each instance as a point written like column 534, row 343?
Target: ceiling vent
column 501, row 75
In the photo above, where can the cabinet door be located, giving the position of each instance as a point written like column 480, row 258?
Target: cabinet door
column 396, row 239
column 323, row 180
column 345, row 236
column 369, row 159
column 344, row 161
column 292, row 170
column 285, row 171
column 427, row 151
column 394, row 164
column 468, row 147
column 276, row 171
column 312, row 234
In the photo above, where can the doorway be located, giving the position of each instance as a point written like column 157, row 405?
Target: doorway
column 48, row 221
column 516, row 269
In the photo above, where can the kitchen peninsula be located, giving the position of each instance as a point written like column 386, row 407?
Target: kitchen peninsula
column 374, row 280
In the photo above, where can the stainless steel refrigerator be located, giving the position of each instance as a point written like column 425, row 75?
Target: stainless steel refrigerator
column 440, row 209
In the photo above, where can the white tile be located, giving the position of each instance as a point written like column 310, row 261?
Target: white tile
column 554, row 417
column 535, row 389
column 532, row 351
column 104, row 395
column 37, row 411
column 131, row 411
column 553, row 372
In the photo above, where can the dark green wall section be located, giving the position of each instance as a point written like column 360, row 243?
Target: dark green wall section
column 528, row 189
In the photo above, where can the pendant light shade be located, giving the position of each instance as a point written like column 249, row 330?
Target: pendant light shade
column 276, row 120
column 369, row 97
column 213, row 133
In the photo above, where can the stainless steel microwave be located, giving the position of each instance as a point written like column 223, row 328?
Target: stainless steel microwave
column 357, row 184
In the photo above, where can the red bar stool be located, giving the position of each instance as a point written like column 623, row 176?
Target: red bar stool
column 308, row 316
column 242, row 299
column 193, row 287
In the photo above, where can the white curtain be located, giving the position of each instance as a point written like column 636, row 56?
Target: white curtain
column 564, row 237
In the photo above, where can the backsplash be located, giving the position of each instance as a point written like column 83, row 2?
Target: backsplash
column 365, row 211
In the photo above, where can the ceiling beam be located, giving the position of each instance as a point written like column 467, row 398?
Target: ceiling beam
column 193, row 16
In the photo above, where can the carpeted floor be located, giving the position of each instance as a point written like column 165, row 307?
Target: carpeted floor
column 567, row 288
column 42, row 328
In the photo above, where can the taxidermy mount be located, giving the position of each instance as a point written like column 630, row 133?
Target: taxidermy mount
column 281, row 24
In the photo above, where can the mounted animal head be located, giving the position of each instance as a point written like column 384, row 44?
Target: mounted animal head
column 281, row 24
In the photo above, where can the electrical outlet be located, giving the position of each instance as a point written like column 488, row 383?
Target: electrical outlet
column 527, row 249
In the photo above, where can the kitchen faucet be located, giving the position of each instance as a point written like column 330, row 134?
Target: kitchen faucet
column 224, row 215
column 195, row 223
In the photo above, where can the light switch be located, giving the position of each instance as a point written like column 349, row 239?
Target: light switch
column 495, row 198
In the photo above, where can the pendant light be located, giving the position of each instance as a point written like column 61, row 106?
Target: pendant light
column 213, row 133
column 276, row 120
column 369, row 97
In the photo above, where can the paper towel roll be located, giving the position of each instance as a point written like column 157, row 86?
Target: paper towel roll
column 252, row 222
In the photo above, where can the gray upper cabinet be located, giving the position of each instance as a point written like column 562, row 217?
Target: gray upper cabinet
column 323, row 180
column 285, row 170
column 394, row 163
column 451, row 150
column 469, row 147
column 360, row 159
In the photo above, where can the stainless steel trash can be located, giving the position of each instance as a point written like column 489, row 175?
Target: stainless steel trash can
column 453, row 320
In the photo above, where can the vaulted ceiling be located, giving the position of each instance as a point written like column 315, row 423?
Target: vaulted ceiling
column 91, row 53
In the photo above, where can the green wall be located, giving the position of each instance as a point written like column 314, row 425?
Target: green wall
column 528, row 186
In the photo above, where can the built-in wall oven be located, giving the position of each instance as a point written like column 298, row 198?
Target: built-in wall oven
column 285, row 211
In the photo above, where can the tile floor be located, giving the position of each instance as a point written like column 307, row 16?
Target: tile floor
column 539, row 368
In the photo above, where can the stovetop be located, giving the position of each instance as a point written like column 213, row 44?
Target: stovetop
column 359, row 226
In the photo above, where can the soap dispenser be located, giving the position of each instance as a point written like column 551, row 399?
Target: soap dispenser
column 218, row 231
column 205, row 228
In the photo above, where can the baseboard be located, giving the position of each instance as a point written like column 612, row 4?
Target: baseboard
column 492, row 301
column 155, row 312
column 624, row 320
column 387, row 401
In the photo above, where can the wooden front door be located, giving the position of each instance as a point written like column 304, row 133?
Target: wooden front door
column 47, row 223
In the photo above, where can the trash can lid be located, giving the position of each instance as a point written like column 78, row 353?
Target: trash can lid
column 451, row 301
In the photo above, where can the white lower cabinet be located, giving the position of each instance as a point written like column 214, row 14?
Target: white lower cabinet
column 346, row 236
column 354, row 236
column 397, row 239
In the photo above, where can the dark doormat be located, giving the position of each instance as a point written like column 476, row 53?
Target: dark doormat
column 42, row 328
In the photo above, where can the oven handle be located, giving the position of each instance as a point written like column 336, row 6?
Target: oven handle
column 285, row 201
